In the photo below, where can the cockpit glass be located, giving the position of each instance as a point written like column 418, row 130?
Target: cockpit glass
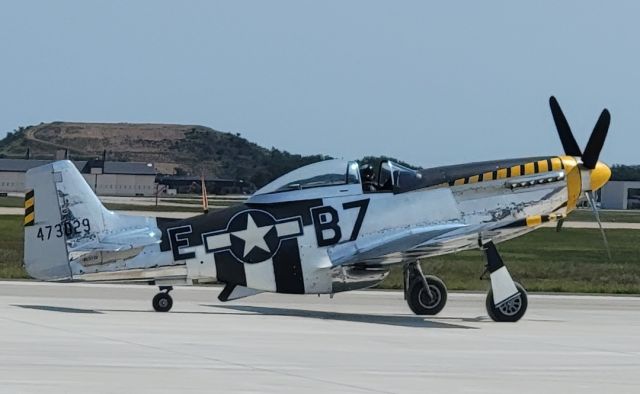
column 393, row 176
column 404, row 177
column 320, row 174
column 314, row 181
column 384, row 176
column 353, row 173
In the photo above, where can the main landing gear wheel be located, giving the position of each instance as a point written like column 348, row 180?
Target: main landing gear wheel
column 510, row 310
column 423, row 302
column 162, row 302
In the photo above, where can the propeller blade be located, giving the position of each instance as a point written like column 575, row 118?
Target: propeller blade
column 594, row 208
column 559, row 225
column 596, row 141
column 569, row 143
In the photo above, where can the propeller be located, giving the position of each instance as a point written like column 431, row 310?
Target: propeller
column 596, row 141
column 569, row 143
column 589, row 157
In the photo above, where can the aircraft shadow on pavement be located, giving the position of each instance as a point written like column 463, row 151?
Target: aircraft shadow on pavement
column 58, row 309
column 402, row 321
column 50, row 308
column 393, row 320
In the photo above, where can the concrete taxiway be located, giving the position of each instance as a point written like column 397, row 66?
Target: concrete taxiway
column 72, row 338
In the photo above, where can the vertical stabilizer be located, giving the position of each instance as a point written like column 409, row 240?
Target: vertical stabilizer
column 60, row 210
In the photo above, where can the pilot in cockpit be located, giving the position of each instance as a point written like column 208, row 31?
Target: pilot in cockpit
column 368, row 177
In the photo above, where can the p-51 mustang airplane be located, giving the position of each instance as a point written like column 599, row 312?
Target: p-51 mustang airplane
column 321, row 229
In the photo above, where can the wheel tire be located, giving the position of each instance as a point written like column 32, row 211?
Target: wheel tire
column 162, row 302
column 418, row 298
column 510, row 311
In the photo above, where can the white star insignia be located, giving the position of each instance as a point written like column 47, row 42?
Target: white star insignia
column 253, row 236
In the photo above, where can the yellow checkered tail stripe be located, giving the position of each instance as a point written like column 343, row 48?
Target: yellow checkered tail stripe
column 29, row 208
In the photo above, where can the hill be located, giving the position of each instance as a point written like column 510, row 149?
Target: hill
column 180, row 149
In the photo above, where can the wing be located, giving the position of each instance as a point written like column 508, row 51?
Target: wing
column 376, row 246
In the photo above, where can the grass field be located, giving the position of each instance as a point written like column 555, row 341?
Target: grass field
column 212, row 201
column 193, row 205
column 190, row 206
column 11, row 202
column 152, row 208
column 573, row 260
column 586, row 215
column 11, row 247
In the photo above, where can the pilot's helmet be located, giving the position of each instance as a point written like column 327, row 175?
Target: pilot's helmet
column 367, row 173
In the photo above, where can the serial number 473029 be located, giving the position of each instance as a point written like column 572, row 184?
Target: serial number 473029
column 67, row 228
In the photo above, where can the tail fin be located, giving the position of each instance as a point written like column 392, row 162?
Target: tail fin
column 64, row 218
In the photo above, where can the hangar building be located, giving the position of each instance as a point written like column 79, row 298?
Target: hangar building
column 107, row 178
column 620, row 195
column 192, row 184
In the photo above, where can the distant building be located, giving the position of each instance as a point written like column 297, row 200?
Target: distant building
column 109, row 178
column 620, row 195
column 192, row 184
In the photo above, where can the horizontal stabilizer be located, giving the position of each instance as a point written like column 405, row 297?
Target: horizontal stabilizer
column 125, row 240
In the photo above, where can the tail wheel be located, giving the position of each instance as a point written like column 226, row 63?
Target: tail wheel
column 423, row 303
column 162, row 302
column 511, row 310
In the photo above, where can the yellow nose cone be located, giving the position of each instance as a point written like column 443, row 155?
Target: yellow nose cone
column 600, row 175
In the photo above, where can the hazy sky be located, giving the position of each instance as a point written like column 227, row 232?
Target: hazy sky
column 428, row 82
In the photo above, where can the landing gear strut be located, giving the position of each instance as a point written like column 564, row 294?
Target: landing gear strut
column 162, row 302
column 507, row 300
column 425, row 295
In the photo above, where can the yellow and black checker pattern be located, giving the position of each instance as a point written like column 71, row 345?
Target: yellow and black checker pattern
column 530, row 168
column 29, row 208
